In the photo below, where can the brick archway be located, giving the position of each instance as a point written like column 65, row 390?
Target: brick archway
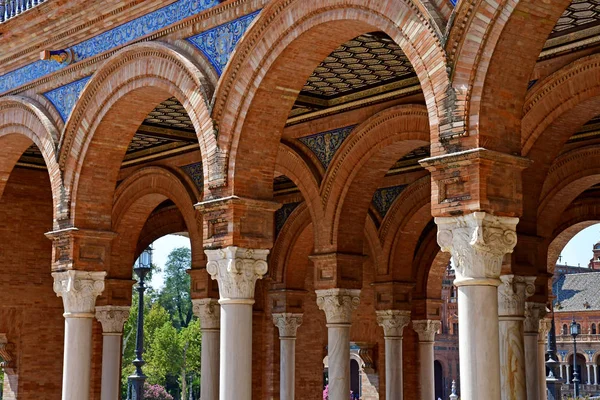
column 358, row 168
column 570, row 175
column 23, row 122
column 135, row 199
column 492, row 64
column 111, row 107
column 260, row 71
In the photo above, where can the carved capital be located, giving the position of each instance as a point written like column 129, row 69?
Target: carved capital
column 236, row 270
column 426, row 329
column 208, row 312
column 477, row 242
column 112, row 318
column 545, row 326
column 393, row 322
column 79, row 290
column 338, row 304
column 7, row 353
column 512, row 293
column 288, row 324
column 534, row 313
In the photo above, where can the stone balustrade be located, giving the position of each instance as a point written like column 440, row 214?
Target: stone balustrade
column 11, row 8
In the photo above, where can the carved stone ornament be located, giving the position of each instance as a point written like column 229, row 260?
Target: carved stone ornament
column 208, row 312
column 393, row 322
column 477, row 242
column 288, row 324
column 426, row 329
column 512, row 293
column 534, row 313
column 7, row 354
column 338, row 304
column 236, row 269
column 79, row 290
column 112, row 318
column 545, row 326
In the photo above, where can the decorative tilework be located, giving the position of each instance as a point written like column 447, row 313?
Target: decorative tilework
column 195, row 172
column 325, row 144
column 563, row 354
column 65, row 97
column 282, row 215
column 115, row 37
column 385, row 197
column 218, row 43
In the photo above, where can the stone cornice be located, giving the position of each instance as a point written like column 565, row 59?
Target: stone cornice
column 393, row 322
column 288, row 324
column 236, row 270
column 477, row 242
column 208, row 312
column 338, row 304
column 112, row 318
column 79, row 290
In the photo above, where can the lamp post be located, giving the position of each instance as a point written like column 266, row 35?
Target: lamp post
column 138, row 378
column 575, row 331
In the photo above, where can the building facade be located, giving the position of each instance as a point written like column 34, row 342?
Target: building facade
column 326, row 159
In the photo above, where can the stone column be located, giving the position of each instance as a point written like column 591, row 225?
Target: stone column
column 426, row 329
column 78, row 290
column 236, row 270
column 393, row 323
column 533, row 313
column 288, row 324
column 208, row 312
column 338, row 305
column 511, row 313
column 595, row 374
column 112, row 319
column 568, row 370
column 478, row 243
column 589, row 373
column 544, row 327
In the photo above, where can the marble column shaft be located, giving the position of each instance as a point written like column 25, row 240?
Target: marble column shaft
column 589, row 373
column 112, row 319
column 208, row 312
column 595, row 374
column 478, row 242
column 512, row 294
column 393, row 323
column 545, row 325
column 288, row 324
column 236, row 270
column 426, row 329
column 338, row 305
column 79, row 290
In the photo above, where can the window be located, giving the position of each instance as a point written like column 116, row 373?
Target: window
column 593, row 329
column 455, row 328
column 565, row 329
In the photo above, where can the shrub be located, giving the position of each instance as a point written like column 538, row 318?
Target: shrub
column 156, row 392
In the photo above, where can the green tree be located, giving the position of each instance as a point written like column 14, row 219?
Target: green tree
column 175, row 295
column 190, row 342
column 164, row 355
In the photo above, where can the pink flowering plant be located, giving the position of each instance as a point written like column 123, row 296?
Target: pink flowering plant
column 156, row 392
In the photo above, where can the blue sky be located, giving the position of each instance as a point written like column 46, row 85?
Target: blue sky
column 162, row 248
column 579, row 249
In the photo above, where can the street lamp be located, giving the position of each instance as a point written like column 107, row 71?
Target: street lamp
column 575, row 331
column 138, row 378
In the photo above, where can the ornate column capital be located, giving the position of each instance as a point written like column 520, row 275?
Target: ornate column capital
column 338, row 304
column 393, row 322
column 79, row 290
column 512, row 293
column 477, row 242
column 208, row 312
column 545, row 326
column 426, row 329
column 534, row 314
column 112, row 319
column 288, row 324
column 236, row 270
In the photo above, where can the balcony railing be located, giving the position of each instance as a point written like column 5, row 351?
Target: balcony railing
column 581, row 338
column 11, row 8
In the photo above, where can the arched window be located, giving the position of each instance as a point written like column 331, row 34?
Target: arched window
column 593, row 329
column 565, row 329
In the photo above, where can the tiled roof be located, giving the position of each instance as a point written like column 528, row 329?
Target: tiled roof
column 578, row 292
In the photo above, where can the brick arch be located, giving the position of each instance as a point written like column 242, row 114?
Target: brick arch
column 358, row 168
column 492, row 65
column 135, row 199
column 266, row 66
column 163, row 222
column 24, row 121
column 111, row 107
column 570, row 175
column 401, row 228
column 279, row 260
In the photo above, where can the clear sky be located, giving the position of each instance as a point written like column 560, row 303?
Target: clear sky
column 162, row 248
column 579, row 249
